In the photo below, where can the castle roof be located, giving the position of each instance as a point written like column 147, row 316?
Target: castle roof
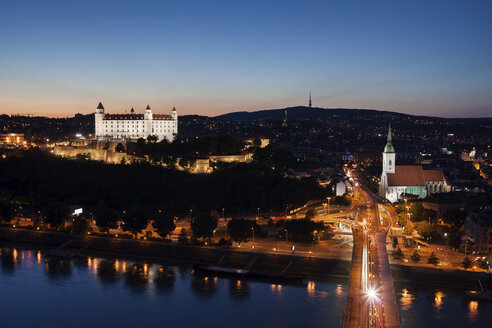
column 123, row 117
column 148, row 107
column 100, row 106
column 132, row 116
column 162, row 117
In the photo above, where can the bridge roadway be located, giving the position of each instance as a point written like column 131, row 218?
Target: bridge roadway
column 371, row 300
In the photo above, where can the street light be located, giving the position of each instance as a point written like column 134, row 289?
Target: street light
column 286, row 236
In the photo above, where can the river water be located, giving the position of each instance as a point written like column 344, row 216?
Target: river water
column 111, row 292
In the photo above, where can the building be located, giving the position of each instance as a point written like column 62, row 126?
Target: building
column 407, row 179
column 478, row 227
column 12, row 138
column 134, row 126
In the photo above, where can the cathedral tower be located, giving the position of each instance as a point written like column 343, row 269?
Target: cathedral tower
column 389, row 156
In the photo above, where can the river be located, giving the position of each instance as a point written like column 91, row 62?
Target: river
column 112, row 292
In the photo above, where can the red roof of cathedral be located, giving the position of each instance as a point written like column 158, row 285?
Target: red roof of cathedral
column 407, row 175
column 433, row 175
column 413, row 175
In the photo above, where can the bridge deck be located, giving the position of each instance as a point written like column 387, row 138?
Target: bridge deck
column 390, row 308
column 352, row 315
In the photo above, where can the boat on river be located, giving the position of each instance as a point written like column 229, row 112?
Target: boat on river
column 482, row 293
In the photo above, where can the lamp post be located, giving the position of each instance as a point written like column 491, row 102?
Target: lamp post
column 286, row 236
column 253, row 229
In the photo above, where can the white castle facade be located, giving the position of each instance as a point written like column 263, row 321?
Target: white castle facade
column 134, row 126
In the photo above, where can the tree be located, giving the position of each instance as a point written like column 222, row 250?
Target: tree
column 395, row 242
column 183, row 162
column 483, row 264
column 6, row 210
column 80, row 226
column 311, row 213
column 163, row 224
column 106, row 218
column 240, row 229
column 182, row 238
column 203, row 225
column 467, row 263
column 135, row 220
column 56, row 213
column 454, row 239
column 398, row 254
column 152, row 138
column 454, row 217
column 119, row 148
column 302, row 230
column 257, row 142
column 433, row 259
column 416, row 257
column 427, row 230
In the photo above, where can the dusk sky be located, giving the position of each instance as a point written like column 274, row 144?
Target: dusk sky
column 58, row 58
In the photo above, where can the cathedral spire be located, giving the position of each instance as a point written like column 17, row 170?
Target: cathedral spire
column 310, row 103
column 389, row 146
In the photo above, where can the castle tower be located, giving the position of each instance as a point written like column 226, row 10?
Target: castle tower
column 389, row 157
column 148, row 130
column 310, row 103
column 98, row 117
column 174, row 114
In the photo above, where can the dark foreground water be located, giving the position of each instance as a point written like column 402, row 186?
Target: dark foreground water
column 97, row 292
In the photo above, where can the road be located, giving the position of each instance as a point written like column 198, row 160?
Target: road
column 371, row 300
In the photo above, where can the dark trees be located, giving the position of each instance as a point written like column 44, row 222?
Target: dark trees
column 107, row 218
column 433, row 259
column 135, row 220
column 203, row 225
column 163, row 224
column 56, row 213
column 240, row 229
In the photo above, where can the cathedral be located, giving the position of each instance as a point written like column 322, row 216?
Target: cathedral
column 397, row 180
column 134, row 126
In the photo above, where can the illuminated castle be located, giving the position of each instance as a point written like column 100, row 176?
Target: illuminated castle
column 134, row 126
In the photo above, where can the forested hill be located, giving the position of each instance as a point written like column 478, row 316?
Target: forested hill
column 316, row 113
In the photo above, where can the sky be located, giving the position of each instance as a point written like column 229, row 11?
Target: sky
column 58, row 58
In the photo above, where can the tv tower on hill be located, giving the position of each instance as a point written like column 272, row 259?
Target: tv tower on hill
column 310, row 103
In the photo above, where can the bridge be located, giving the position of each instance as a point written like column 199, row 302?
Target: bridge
column 371, row 300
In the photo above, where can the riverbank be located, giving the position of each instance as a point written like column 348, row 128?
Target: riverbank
column 166, row 251
column 309, row 267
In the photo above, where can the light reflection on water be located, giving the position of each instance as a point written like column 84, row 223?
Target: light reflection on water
column 318, row 304
column 406, row 299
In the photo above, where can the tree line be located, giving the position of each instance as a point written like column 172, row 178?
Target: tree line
column 141, row 192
